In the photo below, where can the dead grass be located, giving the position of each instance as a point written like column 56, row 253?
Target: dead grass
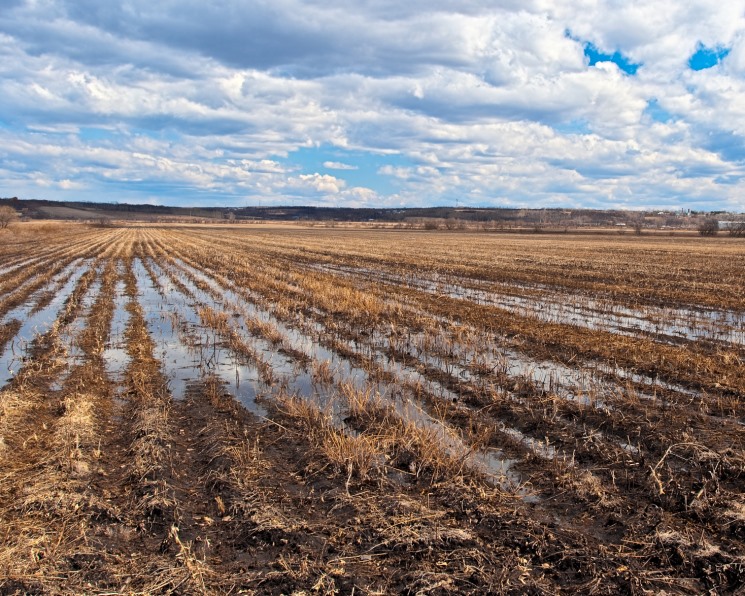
column 372, row 483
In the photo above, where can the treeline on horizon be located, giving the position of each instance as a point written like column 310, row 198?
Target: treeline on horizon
column 37, row 209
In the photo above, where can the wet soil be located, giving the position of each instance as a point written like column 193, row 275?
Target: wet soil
column 184, row 419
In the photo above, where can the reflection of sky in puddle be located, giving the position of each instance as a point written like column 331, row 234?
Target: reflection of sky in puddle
column 187, row 351
column 555, row 306
column 13, row 268
column 503, row 470
column 115, row 353
column 489, row 461
column 588, row 384
column 35, row 323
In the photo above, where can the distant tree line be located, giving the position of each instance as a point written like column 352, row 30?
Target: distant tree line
column 442, row 217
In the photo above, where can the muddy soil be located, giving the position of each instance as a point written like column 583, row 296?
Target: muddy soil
column 220, row 411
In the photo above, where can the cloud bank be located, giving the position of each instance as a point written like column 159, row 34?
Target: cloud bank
column 590, row 103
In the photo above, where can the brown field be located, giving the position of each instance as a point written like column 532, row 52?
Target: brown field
column 292, row 410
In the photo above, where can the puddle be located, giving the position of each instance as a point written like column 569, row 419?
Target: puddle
column 566, row 308
column 497, row 464
column 115, row 354
column 490, row 462
column 17, row 266
column 33, row 323
column 186, row 350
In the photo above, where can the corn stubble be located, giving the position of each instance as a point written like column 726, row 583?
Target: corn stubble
column 432, row 413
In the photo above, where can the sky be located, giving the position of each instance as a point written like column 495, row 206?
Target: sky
column 513, row 103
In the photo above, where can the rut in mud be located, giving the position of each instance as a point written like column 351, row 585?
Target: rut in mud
column 199, row 410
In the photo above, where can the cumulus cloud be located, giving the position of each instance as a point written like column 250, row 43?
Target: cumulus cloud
column 238, row 102
column 323, row 183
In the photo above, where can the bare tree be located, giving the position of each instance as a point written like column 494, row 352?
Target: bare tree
column 452, row 223
column 737, row 229
column 7, row 216
column 708, row 227
column 103, row 222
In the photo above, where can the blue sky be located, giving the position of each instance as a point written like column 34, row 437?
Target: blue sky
column 590, row 103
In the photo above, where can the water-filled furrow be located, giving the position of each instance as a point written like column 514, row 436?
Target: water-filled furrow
column 32, row 325
column 291, row 376
column 74, row 330
column 585, row 380
column 674, row 324
column 395, row 394
column 71, row 334
column 115, row 355
column 528, row 372
column 187, row 351
column 11, row 268
column 610, row 398
column 55, row 286
column 536, row 446
column 589, row 383
column 306, row 338
column 520, row 404
column 19, row 292
column 53, row 260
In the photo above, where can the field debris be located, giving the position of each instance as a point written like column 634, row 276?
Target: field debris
column 199, row 410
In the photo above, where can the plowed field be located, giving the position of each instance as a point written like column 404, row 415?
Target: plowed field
column 277, row 410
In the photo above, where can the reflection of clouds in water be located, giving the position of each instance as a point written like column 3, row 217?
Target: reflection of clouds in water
column 585, row 385
column 301, row 383
column 186, row 350
column 39, row 322
column 568, row 308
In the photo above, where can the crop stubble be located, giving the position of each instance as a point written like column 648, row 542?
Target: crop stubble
column 295, row 410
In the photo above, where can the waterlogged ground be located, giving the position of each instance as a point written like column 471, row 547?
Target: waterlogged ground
column 268, row 410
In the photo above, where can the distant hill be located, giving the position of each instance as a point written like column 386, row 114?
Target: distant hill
column 79, row 210
column 448, row 217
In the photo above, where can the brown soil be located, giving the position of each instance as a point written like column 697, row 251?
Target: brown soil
column 352, row 465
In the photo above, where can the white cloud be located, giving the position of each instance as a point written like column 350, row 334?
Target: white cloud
column 477, row 103
column 337, row 165
column 323, row 183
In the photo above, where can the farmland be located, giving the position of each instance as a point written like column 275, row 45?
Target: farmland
column 292, row 410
